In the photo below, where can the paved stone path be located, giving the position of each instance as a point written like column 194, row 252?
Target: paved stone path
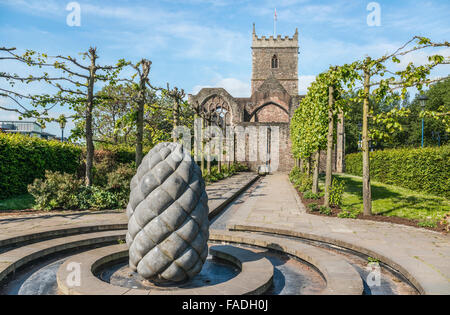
column 273, row 206
column 424, row 255
column 13, row 224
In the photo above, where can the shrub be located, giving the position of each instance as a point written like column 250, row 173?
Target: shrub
column 300, row 180
column 325, row 210
column 57, row 191
column 422, row 169
column 336, row 192
column 311, row 195
column 295, row 174
column 429, row 224
column 118, row 182
column 119, row 153
column 239, row 167
column 313, row 206
column 353, row 214
column 65, row 191
column 96, row 198
column 104, row 163
column 23, row 159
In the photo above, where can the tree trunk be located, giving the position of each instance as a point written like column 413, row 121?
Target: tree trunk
column 208, row 147
column 367, row 194
column 329, row 169
column 315, row 187
column 340, row 152
column 208, row 156
column 141, row 107
column 176, row 109
column 308, row 166
column 89, row 108
column 140, row 133
column 202, row 151
column 89, row 143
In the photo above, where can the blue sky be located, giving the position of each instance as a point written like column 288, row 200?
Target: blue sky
column 199, row 43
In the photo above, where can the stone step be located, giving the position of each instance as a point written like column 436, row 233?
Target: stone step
column 417, row 279
column 19, row 239
column 340, row 276
column 13, row 259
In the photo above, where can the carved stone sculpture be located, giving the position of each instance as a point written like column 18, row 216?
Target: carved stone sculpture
column 167, row 216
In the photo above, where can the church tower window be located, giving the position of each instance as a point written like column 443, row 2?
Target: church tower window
column 274, row 62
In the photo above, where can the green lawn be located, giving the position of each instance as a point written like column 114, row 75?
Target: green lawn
column 392, row 200
column 17, row 203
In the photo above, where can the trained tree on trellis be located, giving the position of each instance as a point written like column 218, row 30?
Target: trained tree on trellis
column 370, row 73
column 309, row 127
column 312, row 126
column 75, row 84
column 378, row 83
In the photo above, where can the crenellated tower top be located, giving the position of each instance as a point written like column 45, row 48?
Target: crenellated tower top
column 279, row 41
column 277, row 57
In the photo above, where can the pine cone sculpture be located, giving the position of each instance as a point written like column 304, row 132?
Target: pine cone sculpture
column 168, row 216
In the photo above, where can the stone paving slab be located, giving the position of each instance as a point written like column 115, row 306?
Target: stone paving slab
column 422, row 256
column 220, row 194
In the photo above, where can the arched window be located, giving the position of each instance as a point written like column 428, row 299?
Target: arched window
column 274, row 62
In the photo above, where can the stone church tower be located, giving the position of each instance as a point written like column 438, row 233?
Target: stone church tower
column 277, row 57
column 272, row 103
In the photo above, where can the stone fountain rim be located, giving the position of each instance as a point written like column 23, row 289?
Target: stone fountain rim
column 256, row 274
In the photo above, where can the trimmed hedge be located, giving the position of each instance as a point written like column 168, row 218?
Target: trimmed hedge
column 426, row 170
column 23, row 158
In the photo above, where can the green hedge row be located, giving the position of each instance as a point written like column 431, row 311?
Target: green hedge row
column 23, row 158
column 426, row 170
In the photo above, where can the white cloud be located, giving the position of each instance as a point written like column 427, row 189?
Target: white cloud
column 304, row 81
column 36, row 7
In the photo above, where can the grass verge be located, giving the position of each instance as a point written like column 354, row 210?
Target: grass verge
column 394, row 201
column 22, row 202
column 389, row 204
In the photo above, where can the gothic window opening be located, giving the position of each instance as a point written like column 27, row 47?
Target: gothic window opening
column 274, row 62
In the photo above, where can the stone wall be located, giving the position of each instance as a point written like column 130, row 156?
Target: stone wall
column 271, row 113
column 256, row 155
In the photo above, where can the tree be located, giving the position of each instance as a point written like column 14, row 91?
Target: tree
column 312, row 127
column 371, row 74
column 374, row 89
column 110, row 115
column 143, row 70
column 75, row 85
column 158, row 110
column 25, row 105
column 177, row 97
column 309, row 126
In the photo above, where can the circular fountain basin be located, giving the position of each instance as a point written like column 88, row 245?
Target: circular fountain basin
column 255, row 275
